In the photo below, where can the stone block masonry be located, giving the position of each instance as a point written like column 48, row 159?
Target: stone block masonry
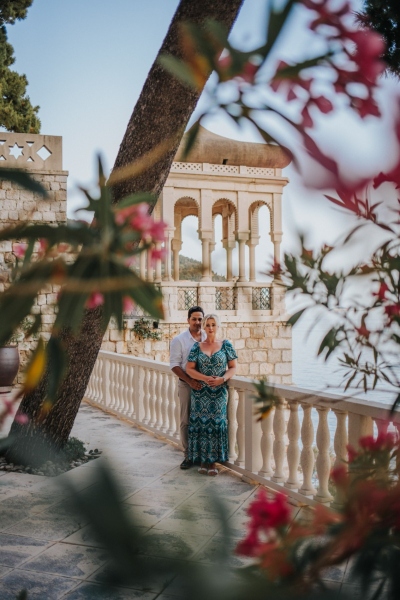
column 254, row 343
column 41, row 157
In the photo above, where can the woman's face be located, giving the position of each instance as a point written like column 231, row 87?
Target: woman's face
column 211, row 327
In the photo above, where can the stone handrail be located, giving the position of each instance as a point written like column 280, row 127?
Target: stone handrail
column 30, row 151
column 277, row 451
column 229, row 170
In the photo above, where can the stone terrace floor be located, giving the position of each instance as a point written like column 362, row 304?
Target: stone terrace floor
column 50, row 552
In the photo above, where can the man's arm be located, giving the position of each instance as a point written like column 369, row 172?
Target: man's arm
column 175, row 361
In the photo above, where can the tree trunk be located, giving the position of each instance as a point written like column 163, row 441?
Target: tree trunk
column 161, row 113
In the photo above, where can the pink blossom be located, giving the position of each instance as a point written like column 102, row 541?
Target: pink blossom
column 43, row 245
column 20, row 249
column 95, row 299
column 128, row 304
column 21, row 418
column 157, row 231
column 381, row 293
column 157, row 254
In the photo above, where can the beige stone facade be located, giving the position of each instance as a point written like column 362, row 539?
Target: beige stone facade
column 252, row 312
column 17, row 204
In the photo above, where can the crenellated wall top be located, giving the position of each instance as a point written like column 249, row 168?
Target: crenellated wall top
column 30, row 151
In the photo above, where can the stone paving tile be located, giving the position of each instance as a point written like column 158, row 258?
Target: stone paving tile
column 44, row 528
column 147, row 515
column 185, row 520
column 159, row 497
column 147, row 579
column 4, row 570
column 9, row 516
column 213, row 550
column 92, row 591
column 15, row 550
column 172, row 544
column 69, row 560
column 40, row 586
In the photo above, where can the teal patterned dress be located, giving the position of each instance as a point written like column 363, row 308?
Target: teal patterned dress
column 208, row 424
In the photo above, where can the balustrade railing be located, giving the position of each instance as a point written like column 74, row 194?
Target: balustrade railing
column 293, row 449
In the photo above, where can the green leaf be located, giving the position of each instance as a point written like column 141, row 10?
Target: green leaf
column 190, row 139
column 137, row 199
column 178, row 69
column 57, row 366
column 24, row 180
column 294, row 318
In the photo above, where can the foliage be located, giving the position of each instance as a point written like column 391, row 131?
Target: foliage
column 21, row 332
column 384, row 17
column 247, row 82
column 190, row 269
column 143, row 330
column 16, row 111
column 101, row 274
column 367, row 528
column 74, row 449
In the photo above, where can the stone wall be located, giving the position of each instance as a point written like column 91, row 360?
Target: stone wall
column 264, row 349
column 18, row 205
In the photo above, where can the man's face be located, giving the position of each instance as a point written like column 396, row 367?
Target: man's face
column 195, row 321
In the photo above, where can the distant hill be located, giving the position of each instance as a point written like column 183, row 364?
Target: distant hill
column 190, row 269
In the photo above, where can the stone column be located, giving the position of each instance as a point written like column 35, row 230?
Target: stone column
column 143, row 265
column 150, row 270
column 276, row 239
column 212, row 248
column 167, row 260
column 242, row 238
column 229, row 245
column 252, row 243
column 176, row 247
column 157, row 278
column 206, row 241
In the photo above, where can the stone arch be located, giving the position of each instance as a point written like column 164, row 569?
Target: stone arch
column 227, row 209
column 253, row 216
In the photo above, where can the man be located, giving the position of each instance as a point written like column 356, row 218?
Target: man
column 180, row 348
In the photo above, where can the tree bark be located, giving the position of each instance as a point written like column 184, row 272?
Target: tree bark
column 161, row 114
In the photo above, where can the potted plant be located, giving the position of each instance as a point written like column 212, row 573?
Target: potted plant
column 9, row 354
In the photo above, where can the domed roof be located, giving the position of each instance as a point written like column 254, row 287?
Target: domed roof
column 216, row 149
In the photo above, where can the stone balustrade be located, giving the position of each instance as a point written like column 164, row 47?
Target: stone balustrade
column 229, row 170
column 278, row 451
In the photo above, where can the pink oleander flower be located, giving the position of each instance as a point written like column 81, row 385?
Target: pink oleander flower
column 43, row 245
column 157, row 231
column 269, row 514
column 95, row 299
column 21, row 418
column 157, row 254
column 20, row 249
column 128, row 304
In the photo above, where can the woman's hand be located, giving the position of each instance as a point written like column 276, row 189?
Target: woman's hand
column 215, row 381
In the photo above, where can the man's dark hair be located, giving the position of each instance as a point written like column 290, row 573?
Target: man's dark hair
column 195, row 309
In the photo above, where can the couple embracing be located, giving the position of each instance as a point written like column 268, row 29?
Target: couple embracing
column 203, row 364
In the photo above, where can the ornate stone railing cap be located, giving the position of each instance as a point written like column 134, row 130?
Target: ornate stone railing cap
column 31, row 151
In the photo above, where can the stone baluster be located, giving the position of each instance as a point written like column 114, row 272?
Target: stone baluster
column 177, row 411
column 106, row 383
column 359, row 426
column 152, row 397
column 253, row 433
column 171, row 405
column 307, row 458
column 266, row 444
column 240, row 429
column 232, row 423
column 138, row 393
column 293, row 451
column 159, row 400
column 114, row 388
column 323, row 462
column 382, row 425
column 164, row 402
column 279, row 442
column 146, row 399
column 340, row 447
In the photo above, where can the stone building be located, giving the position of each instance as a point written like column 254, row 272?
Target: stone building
column 234, row 180
column 220, row 177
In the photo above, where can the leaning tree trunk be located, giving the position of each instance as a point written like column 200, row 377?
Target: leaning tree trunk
column 161, row 113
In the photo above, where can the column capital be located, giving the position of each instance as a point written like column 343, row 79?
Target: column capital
column 242, row 236
column 206, row 234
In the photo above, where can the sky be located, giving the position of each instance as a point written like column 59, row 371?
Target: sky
column 86, row 62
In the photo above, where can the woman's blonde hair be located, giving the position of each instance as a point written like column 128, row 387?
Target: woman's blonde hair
column 211, row 316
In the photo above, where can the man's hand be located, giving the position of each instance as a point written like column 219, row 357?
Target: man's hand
column 195, row 384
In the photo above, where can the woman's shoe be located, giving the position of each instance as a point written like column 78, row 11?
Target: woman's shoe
column 213, row 472
column 202, row 470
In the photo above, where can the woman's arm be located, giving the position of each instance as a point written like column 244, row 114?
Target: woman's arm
column 194, row 373
column 227, row 375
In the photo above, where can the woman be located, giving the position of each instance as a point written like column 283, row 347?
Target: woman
column 212, row 362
